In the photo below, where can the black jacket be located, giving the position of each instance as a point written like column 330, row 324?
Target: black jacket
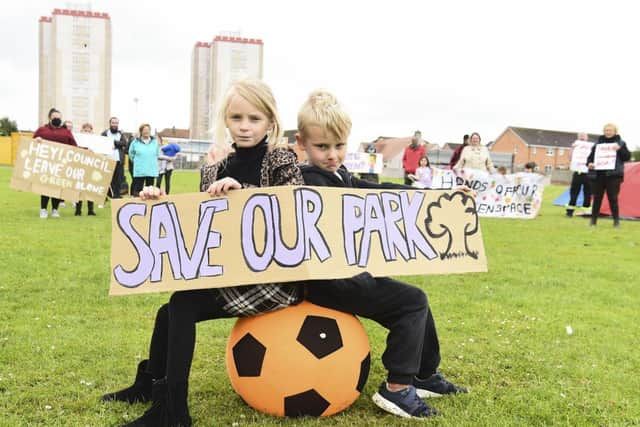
column 120, row 144
column 622, row 155
column 313, row 175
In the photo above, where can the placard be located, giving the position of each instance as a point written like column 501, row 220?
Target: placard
column 280, row 234
column 61, row 171
column 605, row 156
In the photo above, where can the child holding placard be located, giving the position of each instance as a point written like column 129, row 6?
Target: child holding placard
column 254, row 160
column 412, row 355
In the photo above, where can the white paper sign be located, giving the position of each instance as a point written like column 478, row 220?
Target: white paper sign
column 581, row 150
column 605, row 156
column 96, row 143
column 360, row 162
column 499, row 196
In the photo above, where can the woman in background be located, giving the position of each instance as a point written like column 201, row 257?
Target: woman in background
column 608, row 180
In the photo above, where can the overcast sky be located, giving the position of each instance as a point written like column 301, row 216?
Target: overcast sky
column 446, row 68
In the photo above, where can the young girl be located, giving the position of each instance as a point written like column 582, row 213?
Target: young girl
column 423, row 173
column 249, row 114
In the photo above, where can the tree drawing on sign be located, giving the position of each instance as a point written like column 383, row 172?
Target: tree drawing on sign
column 438, row 224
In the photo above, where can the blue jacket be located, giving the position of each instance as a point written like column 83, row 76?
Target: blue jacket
column 144, row 157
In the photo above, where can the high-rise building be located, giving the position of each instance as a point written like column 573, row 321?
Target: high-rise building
column 75, row 66
column 230, row 58
column 200, row 78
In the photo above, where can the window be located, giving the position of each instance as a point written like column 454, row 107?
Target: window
column 560, row 151
column 549, row 152
column 533, row 150
column 547, row 169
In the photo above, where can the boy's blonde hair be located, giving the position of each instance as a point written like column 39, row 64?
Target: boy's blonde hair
column 323, row 110
column 258, row 94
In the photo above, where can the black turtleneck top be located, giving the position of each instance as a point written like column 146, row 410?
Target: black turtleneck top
column 244, row 164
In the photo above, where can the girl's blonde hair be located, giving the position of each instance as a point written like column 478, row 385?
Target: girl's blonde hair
column 323, row 110
column 258, row 94
column 615, row 128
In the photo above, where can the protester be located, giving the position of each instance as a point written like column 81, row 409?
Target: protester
column 144, row 152
column 249, row 113
column 579, row 181
column 412, row 154
column 56, row 132
column 530, row 167
column 118, row 149
column 86, row 128
column 165, row 164
column 423, row 175
column 608, row 180
column 412, row 355
column 475, row 156
column 458, row 151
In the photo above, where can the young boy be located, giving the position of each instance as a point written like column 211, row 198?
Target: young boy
column 412, row 355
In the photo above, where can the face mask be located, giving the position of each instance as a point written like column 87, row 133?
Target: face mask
column 56, row 122
column 113, row 129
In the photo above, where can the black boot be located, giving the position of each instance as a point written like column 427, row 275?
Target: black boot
column 140, row 391
column 616, row 222
column 169, row 407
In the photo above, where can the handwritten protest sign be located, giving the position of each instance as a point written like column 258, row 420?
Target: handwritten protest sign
column 360, row 162
column 500, row 196
column 96, row 143
column 581, row 150
column 61, row 171
column 279, row 234
column 605, row 156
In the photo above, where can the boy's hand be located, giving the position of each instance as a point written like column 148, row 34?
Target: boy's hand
column 151, row 193
column 222, row 186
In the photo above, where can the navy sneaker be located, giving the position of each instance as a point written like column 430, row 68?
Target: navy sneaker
column 436, row 386
column 404, row 403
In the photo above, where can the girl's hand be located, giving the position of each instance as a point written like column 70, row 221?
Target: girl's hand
column 464, row 189
column 38, row 139
column 591, row 166
column 151, row 193
column 222, row 186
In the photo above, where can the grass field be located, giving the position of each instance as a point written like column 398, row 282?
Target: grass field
column 64, row 342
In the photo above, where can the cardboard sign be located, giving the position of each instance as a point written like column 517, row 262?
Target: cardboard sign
column 281, row 234
column 96, row 143
column 581, row 150
column 360, row 162
column 61, row 171
column 499, row 196
column 605, row 156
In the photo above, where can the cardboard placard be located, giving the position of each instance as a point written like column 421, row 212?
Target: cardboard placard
column 281, row 234
column 61, row 171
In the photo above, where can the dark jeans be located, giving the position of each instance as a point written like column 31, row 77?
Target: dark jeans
column 611, row 185
column 139, row 182
column 167, row 182
column 79, row 207
column 44, row 201
column 131, row 174
column 116, row 181
column 174, row 332
column 412, row 343
column 579, row 181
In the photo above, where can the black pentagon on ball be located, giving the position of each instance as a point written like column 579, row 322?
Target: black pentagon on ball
column 306, row 403
column 364, row 372
column 320, row 335
column 248, row 355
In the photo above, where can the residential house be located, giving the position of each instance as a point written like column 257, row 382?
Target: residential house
column 549, row 149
